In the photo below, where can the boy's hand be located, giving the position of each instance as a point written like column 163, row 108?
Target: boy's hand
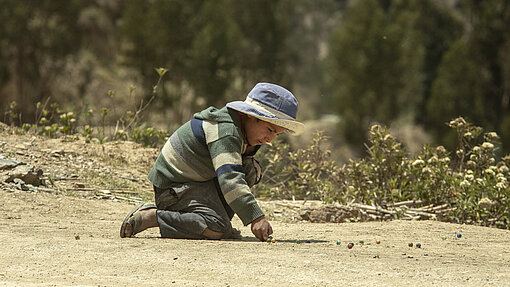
column 261, row 228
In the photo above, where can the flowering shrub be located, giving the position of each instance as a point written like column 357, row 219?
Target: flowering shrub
column 469, row 181
column 302, row 174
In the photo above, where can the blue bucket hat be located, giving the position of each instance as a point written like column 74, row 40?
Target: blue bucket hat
column 271, row 103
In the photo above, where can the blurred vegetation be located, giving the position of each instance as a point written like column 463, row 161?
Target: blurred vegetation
column 366, row 61
column 55, row 122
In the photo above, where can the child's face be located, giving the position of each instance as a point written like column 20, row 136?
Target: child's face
column 259, row 132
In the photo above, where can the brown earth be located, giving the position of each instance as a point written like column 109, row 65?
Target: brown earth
column 66, row 234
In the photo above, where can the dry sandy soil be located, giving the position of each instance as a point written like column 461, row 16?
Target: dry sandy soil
column 67, row 235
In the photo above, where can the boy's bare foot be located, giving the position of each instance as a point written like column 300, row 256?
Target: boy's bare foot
column 212, row 234
column 145, row 218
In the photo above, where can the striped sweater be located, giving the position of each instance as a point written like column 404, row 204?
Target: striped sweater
column 208, row 146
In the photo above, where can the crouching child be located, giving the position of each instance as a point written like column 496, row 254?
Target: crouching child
column 205, row 170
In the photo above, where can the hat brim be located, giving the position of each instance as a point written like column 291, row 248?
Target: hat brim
column 292, row 126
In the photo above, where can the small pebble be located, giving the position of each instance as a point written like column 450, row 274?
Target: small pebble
column 418, row 245
column 459, row 235
column 362, row 241
column 273, row 240
column 443, row 237
column 350, row 245
column 298, row 241
column 338, row 242
column 410, row 244
column 308, row 241
column 378, row 242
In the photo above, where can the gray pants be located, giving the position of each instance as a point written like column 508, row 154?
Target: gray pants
column 185, row 210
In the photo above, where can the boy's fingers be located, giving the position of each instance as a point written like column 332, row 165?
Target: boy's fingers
column 262, row 235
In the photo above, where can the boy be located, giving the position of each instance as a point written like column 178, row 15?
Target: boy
column 205, row 170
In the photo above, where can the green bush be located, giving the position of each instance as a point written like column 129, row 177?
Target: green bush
column 303, row 174
column 470, row 181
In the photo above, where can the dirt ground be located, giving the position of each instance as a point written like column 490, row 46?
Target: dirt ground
column 68, row 235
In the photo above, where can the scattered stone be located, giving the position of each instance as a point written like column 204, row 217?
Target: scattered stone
column 6, row 163
column 20, row 147
column 57, row 153
column 130, row 178
column 79, row 185
column 27, row 173
column 21, row 175
column 20, row 184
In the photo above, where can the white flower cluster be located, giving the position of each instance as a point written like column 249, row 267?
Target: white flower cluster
column 469, row 177
column 489, row 171
column 465, row 184
column 491, row 136
column 432, row 159
column 417, row 162
column 487, row 145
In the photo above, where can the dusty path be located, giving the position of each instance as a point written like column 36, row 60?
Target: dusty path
column 56, row 240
